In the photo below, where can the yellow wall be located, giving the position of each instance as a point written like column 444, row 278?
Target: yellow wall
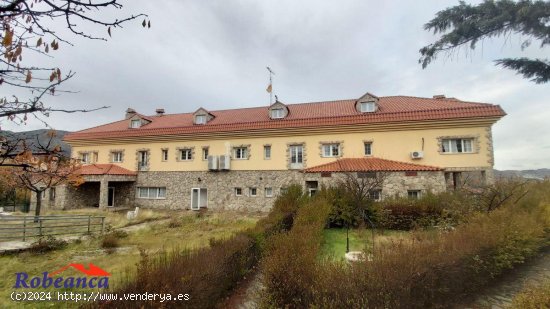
column 393, row 145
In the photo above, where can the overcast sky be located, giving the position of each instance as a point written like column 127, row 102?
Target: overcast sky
column 214, row 54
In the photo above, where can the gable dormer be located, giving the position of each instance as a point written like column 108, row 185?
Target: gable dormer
column 278, row 110
column 202, row 116
column 368, row 103
column 135, row 120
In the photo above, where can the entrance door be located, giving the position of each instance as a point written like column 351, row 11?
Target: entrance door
column 111, row 197
column 199, row 198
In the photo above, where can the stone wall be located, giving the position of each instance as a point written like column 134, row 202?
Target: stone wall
column 221, row 187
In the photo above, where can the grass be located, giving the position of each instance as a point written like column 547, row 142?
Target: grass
column 157, row 236
column 334, row 240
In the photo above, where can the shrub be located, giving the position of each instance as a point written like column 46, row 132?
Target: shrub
column 533, row 297
column 209, row 274
column 110, row 241
column 49, row 243
column 289, row 267
column 175, row 222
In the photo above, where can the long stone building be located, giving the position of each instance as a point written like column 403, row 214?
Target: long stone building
column 243, row 158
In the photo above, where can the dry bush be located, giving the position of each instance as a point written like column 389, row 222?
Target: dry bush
column 49, row 243
column 533, row 297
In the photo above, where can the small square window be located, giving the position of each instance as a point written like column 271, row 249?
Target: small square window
column 85, row 157
column 414, row 194
column 268, row 192
column 136, row 123
column 200, row 119
column 205, row 153
column 368, row 107
column 117, row 156
column 253, row 191
column 368, row 149
column 375, row 195
column 267, row 152
column 331, row 150
column 241, row 153
column 238, row 191
column 186, row 154
column 277, row 113
column 165, row 155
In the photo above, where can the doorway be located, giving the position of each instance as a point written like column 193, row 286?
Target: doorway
column 111, row 197
column 199, row 198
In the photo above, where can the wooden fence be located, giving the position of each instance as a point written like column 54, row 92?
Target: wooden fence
column 27, row 227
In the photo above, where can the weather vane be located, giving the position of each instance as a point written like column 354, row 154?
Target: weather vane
column 270, row 87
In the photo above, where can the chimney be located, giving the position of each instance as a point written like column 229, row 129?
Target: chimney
column 160, row 111
column 439, row 96
column 130, row 112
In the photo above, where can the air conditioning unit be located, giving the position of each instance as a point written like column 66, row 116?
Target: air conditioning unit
column 225, row 162
column 417, row 154
column 213, row 163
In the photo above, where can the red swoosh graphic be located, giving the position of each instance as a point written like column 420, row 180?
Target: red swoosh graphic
column 92, row 270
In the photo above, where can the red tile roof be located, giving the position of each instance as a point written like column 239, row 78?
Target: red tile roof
column 330, row 113
column 105, row 169
column 370, row 164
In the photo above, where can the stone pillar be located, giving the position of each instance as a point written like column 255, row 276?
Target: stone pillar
column 103, row 193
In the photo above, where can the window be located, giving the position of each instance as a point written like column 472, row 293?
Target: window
column 331, row 150
column 368, row 107
column 241, row 153
column 267, row 152
column 85, row 157
column 252, row 191
column 95, row 157
column 296, row 155
column 143, row 159
column 52, row 194
column 152, row 192
column 368, row 148
column 238, row 191
column 375, row 195
column 136, row 123
column 277, row 113
column 165, row 155
column 186, row 154
column 117, row 156
column 268, row 192
column 200, row 119
column 458, row 145
column 414, row 194
column 205, row 153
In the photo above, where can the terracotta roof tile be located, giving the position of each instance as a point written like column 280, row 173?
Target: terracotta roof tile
column 370, row 164
column 330, row 113
column 105, row 169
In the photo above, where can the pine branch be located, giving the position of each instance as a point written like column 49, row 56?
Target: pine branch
column 537, row 70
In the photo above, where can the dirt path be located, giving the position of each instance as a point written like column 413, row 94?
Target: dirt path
column 500, row 295
column 247, row 294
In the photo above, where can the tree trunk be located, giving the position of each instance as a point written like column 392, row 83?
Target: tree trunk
column 38, row 204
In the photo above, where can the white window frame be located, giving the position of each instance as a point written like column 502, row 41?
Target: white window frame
column 268, row 191
column 186, row 154
column 369, row 144
column 205, row 153
column 164, row 155
column 296, row 153
column 240, row 153
column 200, row 119
column 143, row 158
column 135, row 123
column 376, row 194
column 277, row 113
column 414, row 194
column 253, row 189
column 267, row 152
column 238, row 191
column 331, row 150
column 152, row 193
column 117, row 156
column 460, row 145
column 368, row 107
column 85, row 157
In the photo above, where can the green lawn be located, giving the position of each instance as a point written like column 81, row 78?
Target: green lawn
column 194, row 232
column 334, row 240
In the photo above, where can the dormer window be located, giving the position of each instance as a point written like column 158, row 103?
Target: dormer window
column 200, row 119
column 277, row 113
column 368, row 107
column 135, row 123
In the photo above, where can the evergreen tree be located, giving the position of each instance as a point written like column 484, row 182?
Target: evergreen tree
column 467, row 24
